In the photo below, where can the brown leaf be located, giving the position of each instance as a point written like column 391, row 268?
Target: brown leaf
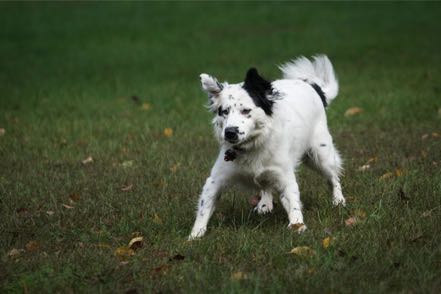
column 364, row 167
column 351, row 221
column 136, row 243
column 2, row 131
column 146, row 106
column 124, row 252
column 353, row 111
column 168, row 132
column 126, row 188
column 326, row 242
column 435, row 135
column 74, row 197
column 238, row 276
column 303, row 251
column 174, row 167
column 68, row 206
column 14, row 252
column 87, row 160
column 32, row 246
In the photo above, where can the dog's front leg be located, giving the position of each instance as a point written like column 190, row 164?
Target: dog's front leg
column 290, row 198
column 206, row 206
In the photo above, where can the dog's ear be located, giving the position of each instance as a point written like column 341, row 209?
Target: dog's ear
column 210, row 85
column 259, row 89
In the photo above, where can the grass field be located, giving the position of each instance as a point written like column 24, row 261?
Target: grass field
column 118, row 82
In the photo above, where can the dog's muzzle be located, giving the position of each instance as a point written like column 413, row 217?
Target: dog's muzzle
column 232, row 134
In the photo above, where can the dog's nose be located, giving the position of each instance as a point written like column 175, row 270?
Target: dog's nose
column 232, row 134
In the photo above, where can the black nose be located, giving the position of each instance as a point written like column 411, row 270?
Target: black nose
column 231, row 134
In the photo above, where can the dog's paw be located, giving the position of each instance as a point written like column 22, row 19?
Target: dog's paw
column 196, row 234
column 338, row 200
column 264, row 206
column 299, row 227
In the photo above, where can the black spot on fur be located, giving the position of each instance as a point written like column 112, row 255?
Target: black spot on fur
column 259, row 88
column 320, row 93
column 230, row 155
column 322, row 145
column 202, row 203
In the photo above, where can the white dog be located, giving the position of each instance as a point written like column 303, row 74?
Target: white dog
column 265, row 130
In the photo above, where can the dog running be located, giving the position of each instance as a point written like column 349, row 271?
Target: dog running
column 266, row 130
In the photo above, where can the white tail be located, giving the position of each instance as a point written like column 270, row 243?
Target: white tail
column 319, row 71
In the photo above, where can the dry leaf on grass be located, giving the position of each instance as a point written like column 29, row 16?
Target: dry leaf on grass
column 353, row 111
column 364, row 167
column 168, row 132
column 127, row 188
column 303, row 251
column 127, row 163
column 32, row 246
column 387, row 175
column 351, row 221
column 15, row 252
column 238, row 276
column 124, row 252
column 327, row 242
column 74, row 197
column 146, row 106
column 87, row 160
column 2, row 131
column 174, row 167
column 50, row 212
column 68, row 206
column 136, row 243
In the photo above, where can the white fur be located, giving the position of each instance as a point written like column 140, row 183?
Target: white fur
column 272, row 147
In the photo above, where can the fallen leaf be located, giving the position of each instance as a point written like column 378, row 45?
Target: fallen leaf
column 32, row 246
column 177, row 257
column 146, row 106
column 351, row 221
column 386, row 176
column 398, row 172
column 88, row 160
column 50, row 212
column 435, row 135
column 2, row 131
column 157, row 219
column 127, row 163
column 303, row 251
column 326, row 242
column 136, row 243
column 424, row 137
column 364, row 167
column 14, row 252
column 68, row 206
column 74, row 197
column 372, row 159
column 238, row 276
column 353, row 111
column 168, row 132
column 124, row 252
column 127, row 188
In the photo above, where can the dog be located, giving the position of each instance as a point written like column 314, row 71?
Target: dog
column 266, row 130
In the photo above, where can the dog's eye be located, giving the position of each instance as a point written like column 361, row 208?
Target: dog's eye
column 245, row 111
column 222, row 112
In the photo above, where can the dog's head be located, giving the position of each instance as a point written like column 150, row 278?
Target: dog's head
column 242, row 111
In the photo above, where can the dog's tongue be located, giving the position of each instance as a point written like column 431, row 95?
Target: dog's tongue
column 230, row 155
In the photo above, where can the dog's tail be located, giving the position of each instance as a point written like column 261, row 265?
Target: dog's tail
column 319, row 73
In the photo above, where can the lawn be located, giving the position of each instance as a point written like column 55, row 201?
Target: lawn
column 104, row 137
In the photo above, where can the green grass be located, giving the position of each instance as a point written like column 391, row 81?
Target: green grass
column 67, row 72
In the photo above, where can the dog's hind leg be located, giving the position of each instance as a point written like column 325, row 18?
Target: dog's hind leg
column 265, row 204
column 328, row 161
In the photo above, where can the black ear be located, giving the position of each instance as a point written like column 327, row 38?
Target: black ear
column 259, row 88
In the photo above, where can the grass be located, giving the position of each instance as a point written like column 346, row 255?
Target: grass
column 67, row 75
